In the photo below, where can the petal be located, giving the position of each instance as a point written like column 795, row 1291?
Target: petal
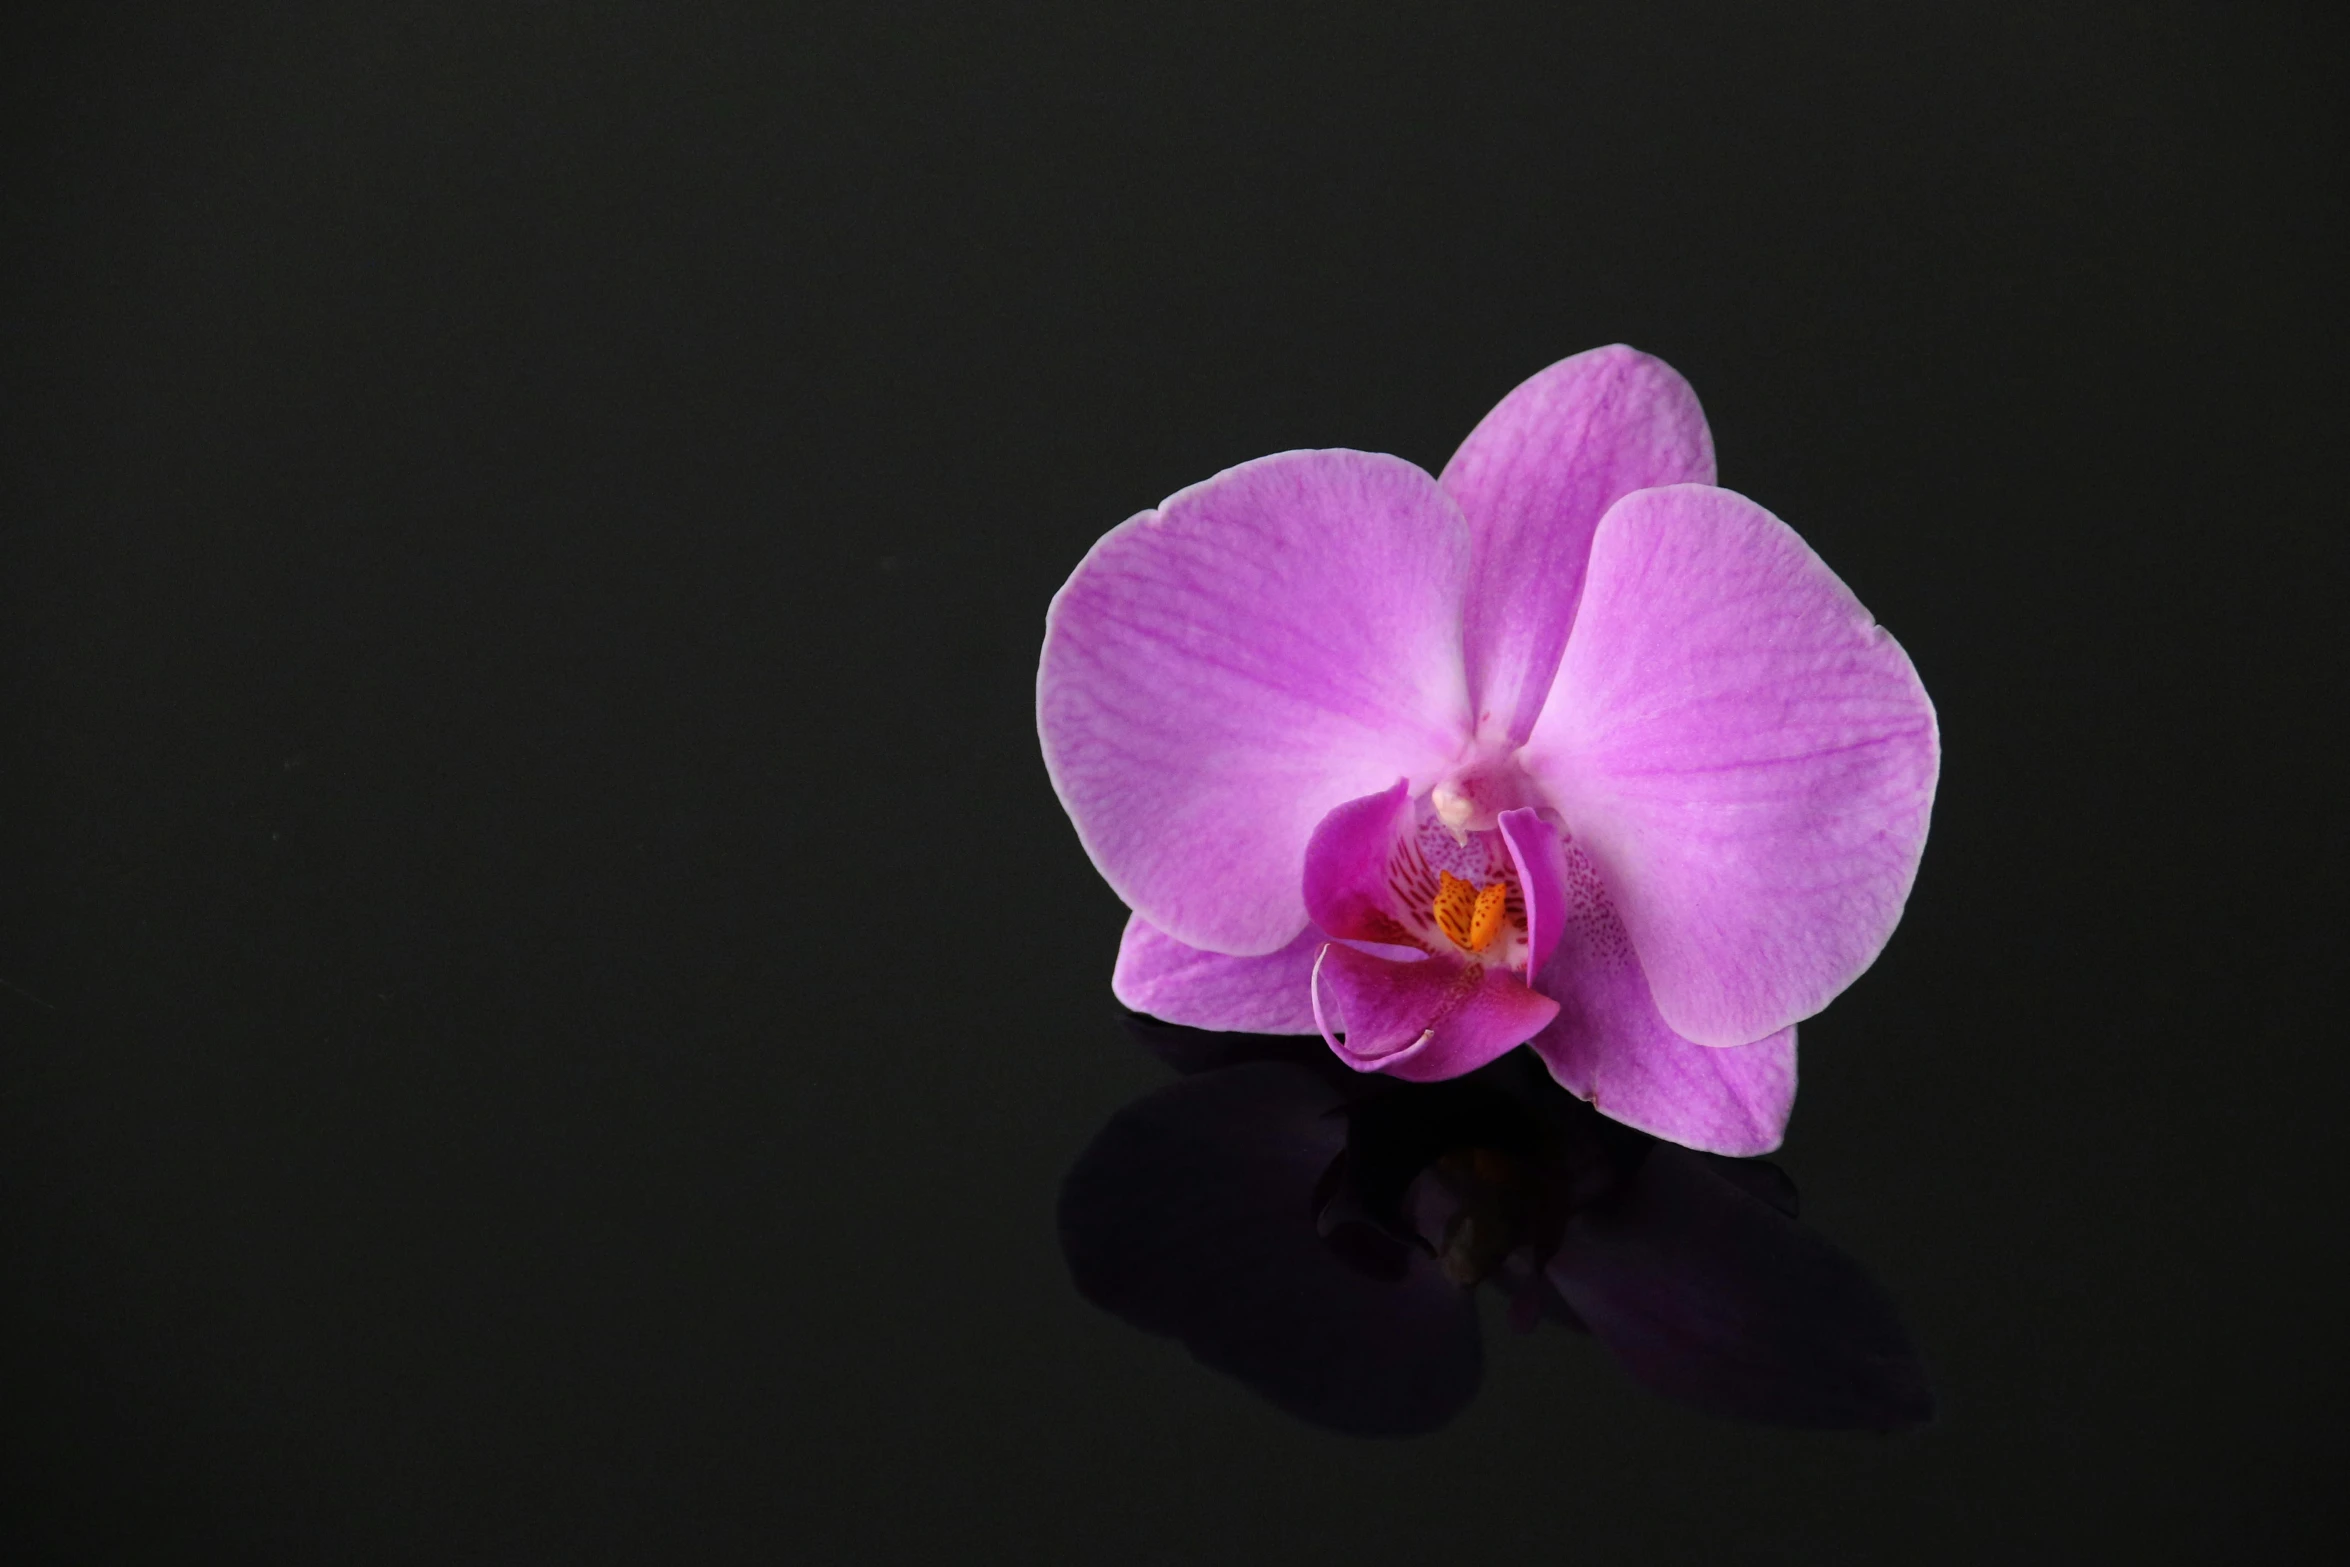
column 1219, row 673
column 1609, row 1046
column 1271, row 994
column 1732, row 1100
column 1541, row 864
column 1747, row 756
column 1346, row 882
column 1534, row 478
column 1423, row 1021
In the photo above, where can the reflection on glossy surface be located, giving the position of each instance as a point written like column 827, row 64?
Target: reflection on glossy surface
column 1319, row 1235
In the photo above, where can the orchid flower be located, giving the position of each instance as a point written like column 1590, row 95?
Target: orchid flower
column 1565, row 747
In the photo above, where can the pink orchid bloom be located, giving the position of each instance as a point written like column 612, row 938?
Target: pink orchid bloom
column 1565, row 747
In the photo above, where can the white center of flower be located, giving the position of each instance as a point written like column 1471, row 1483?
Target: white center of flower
column 1458, row 892
column 1478, row 788
column 1454, row 809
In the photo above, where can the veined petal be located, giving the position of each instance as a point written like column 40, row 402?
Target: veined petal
column 1746, row 755
column 1534, row 478
column 1346, row 881
column 1729, row 1100
column 1609, row 1045
column 1541, row 863
column 1219, row 673
column 1271, row 994
column 1423, row 1021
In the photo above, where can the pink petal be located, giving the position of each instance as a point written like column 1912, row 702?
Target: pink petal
column 1424, row 1021
column 1609, row 1045
column 1534, row 478
column 1271, row 994
column 1346, row 884
column 1747, row 756
column 1540, row 860
column 1219, row 673
column 1732, row 1100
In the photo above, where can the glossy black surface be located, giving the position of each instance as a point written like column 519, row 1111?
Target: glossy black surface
column 1320, row 1236
column 548, row 1002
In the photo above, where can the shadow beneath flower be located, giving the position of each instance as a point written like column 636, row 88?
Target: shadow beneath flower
column 1320, row 1235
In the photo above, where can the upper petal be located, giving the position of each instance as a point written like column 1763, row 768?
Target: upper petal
column 1269, row 994
column 1219, row 673
column 1749, row 758
column 1534, row 478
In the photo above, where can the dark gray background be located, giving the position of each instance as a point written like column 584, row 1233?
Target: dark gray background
column 547, row 995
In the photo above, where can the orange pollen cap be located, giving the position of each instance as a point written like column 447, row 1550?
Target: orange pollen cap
column 1470, row 915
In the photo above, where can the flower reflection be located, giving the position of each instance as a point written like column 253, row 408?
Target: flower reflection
column 1320, row 1235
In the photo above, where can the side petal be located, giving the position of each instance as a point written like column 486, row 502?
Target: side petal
column 1271, row 994
column 1609, row 1045
column 1534, row 478
column 1346, row 890
column 1219, row 673
column 1633, row 1069
column 1749, row 758
column 1541, row 863
column 1423, row 1021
